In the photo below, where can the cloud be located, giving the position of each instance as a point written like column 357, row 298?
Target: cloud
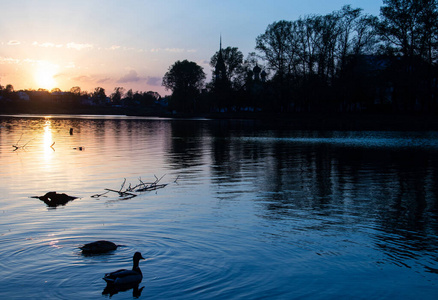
column 47, row 45
column 9, row 60
column 174, row 50
column 154, row 81
column 103, row 80
column 13, row 43
column 17, row 61
column 79, row 46
column 82, row 78
column 132, row 76
column 70, row 65
column 120, row 48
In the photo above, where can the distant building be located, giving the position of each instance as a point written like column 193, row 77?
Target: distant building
column 220, row 71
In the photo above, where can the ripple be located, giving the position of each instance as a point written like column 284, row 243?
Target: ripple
column 275, row 218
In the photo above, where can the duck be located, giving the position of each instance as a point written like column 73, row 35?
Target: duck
column 124, row 276
column 98, row 247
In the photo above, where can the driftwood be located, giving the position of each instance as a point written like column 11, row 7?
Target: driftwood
column 132, row 191
column 16, row 146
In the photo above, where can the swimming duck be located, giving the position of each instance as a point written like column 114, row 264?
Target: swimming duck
column 123, row 276
column 98, row 247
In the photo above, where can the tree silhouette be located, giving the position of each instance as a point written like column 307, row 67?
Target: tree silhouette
column 76, row 90
column 277, row 46
column 185, row 79
column 9, row 88
column 233, row 59
column 99, row 95
column 116, row 96
column 409, row 27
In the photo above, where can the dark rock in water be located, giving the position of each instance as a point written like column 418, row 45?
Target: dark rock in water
column 53, row 199
column 98, row 247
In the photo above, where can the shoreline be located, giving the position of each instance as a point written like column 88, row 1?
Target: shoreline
column 298, row 121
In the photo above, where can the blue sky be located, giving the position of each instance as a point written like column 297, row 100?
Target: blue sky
column 131, row 43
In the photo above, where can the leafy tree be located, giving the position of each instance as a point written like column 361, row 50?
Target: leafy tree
column 185, row 79
column 129, row 94
column 9, row 88
column 149, row 98
column 99, row 95
column 116, row 96
column 75, row 90
column 233, row 59
column 129, row 97
column 154, row 95
column 410, row 26
column 277, row 47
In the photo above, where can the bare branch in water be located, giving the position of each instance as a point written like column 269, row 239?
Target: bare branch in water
column 123, row 184
column 130, row 192
column 99, row 195
column 16, row 146
column 19, row 139
column 122, row 194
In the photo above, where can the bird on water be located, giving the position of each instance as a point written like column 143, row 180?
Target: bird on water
column 124, row 276
column 98, row 247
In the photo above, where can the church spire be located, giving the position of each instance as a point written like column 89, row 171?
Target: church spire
column 220, row 69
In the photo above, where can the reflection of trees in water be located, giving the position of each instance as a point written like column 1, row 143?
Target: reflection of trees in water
column 186, row 144
column 408, row 214
column 233, row 158
column 392, row 189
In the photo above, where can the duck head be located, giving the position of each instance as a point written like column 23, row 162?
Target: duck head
column 137, row 256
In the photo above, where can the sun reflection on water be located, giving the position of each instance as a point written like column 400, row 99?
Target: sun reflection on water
column 48, row 140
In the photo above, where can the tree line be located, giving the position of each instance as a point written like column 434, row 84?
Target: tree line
column 77, row 99
column 343, row 61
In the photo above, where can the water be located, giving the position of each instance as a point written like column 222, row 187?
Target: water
column 249, row 212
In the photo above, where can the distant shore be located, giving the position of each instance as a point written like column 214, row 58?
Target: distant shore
column 299, row 121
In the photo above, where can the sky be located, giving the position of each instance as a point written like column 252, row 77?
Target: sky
column 131, row 44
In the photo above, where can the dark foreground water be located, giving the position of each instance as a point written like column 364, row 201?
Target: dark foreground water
column 249, row 212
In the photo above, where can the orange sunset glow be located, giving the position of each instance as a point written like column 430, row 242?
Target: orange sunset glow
column 44, row 76
column 109, row 44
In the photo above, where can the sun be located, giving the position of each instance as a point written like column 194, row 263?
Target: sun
column 44, row 76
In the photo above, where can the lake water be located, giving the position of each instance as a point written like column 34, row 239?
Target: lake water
column 249, row 212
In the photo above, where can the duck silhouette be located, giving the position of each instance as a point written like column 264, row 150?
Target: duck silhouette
column 98, row 247
column 53, row 199
column 124, row 276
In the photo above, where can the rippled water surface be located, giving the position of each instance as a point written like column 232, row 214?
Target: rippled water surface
column 249, row 212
